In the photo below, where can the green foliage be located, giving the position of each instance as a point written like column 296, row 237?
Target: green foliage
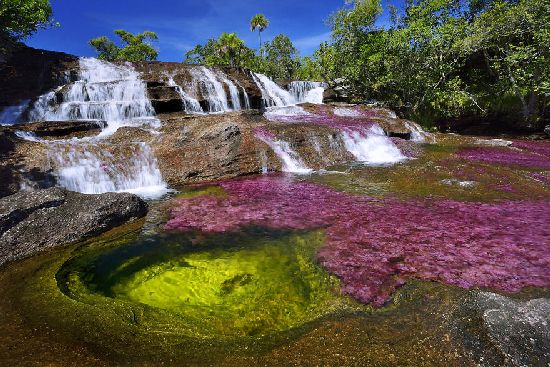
column 21, row 18
column 281, row 58
column 444, row 58
column 136, row 47
column 228, row 50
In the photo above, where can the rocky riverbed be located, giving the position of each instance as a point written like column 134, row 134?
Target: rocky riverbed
column 199, row 225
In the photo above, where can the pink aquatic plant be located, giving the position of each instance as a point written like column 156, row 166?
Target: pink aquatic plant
column 375, row 246
column 522, row 153
column 541, row 177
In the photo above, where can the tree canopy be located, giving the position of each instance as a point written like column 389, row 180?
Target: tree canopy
column 136, row 47
column 443, row 59
column 227, row 50
column 21, row 18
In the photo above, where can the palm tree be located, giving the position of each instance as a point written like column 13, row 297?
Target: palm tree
column 259, row 23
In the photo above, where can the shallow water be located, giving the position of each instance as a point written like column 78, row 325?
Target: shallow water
column 368, row 268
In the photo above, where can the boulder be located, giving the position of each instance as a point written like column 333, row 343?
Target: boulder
column 34, row 221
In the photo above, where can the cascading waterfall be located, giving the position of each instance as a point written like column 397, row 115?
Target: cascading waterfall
column 233, row 92
column 94, row 167
column 116, row 95
column 12, row 114
column 211, row 88
column 307, row 92
column 211, row 85
column 371, row 146
column 291, row 160
column 272, row 94
column 190, row 104
column 105, row 91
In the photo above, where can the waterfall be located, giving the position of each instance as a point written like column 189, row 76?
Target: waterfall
column 418, row 135
column 246, row 98
column 272, row 94
column 11, row 115
column 94, row 168
column 304, row 91
column 105, row 91
column 291, row 160
column 372, row 146
column 190, row 104
column 115, row 94
column 233, row 92
column 211, row 88
column 211, row 85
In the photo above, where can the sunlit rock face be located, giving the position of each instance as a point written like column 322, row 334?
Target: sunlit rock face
column 374, row 246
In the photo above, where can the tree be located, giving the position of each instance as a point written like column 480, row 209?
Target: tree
column 514, row 40
column 281, row 58
column 259, row 23
column 227, row 50
column 20, row 19
column 136, row 47
column 445, row 59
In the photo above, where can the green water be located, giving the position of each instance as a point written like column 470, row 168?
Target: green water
column 246, row 284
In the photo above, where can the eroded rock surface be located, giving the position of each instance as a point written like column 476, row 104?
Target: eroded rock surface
column 519, row 331
column 34, row 221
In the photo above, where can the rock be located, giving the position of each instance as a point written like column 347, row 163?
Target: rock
column 164, row 99
column 547, row 130
column 34, row 221
column 519, row 330
column 61, row 128
column 494, row 142
column 30, row 72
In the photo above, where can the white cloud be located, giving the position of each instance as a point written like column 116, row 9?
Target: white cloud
column 308, row 44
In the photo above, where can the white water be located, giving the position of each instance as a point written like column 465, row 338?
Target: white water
column 116, row 95
column 211, row 88
column 190, row 104
column 280, row 113
column 291, row 160
column 11, row 115
column 93, row 168
column 105, row 91
column 418, row 135
column 307, row 92
column 272, row 94
column 233, row 92
column 346, row 112
column 372, row 146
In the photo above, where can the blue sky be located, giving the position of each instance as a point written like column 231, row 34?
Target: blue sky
column 181, row 24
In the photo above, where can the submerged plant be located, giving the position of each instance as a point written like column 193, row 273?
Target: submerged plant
column 375, row 246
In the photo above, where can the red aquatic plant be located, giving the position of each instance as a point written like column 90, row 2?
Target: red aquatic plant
column 374, row 246
column 522, row 153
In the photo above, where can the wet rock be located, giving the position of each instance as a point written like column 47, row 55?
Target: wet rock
column 62, row 128
column 164, row 99
column 494, row 142
column 34, row 221
column 459, row 183
column 520, row 330
column 31, row 72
